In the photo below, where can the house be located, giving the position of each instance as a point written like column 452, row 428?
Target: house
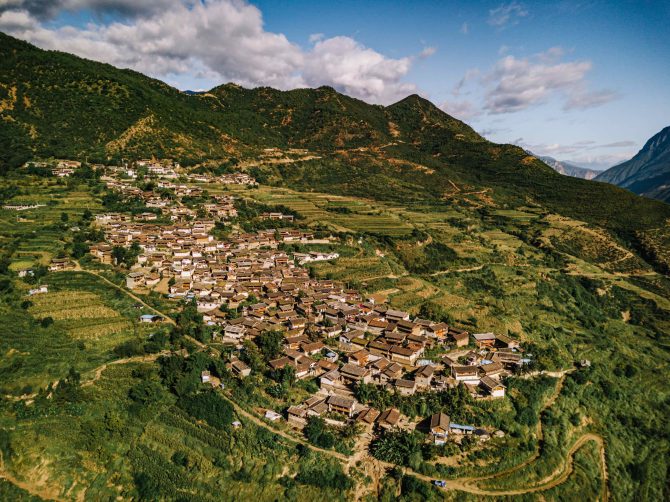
column 389, row 418
column 408, row 327
column 493, row 387
column 240, row 368
column 297, row 416
column 492, row 369
column 330, row 379
column 465, row 374
column 359, row 358
column 507, row 342
column 368, row 416
column 439, row 427
column 396, row 315
column 460, row 337
column 312, row 348
column 205, row 376
column 484, row 339
column 150, row 318
column 404, row 355
column 438, row 330
column 352, row 373
column 392, row 372
column 405, row 387
column 424, row 375
column 272, row 416
column 341, row 404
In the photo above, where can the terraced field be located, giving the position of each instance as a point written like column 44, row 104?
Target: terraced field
column 363, row 216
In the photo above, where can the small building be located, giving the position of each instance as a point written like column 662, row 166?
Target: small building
column 424, row 375
column 484, row 339
column 389, row 419
column 297, row 416
column 272, row 416
column 461, row 429
column 439, row 427
column 507, row 342
column 493, row 387
column 240, row 368
column 460, row 337
column 205, row 376
column 368, row 416
column 467, row 374
column 341, row 404
column 405, row 387
column 150, row 318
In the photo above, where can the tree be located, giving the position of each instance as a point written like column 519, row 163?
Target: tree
column 64, row 217
column 119, row 254
column 146, row 392
column 79, row 249
column 318, row 433
column 270, row 344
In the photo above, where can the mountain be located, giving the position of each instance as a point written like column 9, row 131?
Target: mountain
column 648, row 173
column 568, row 169
column 58, row 105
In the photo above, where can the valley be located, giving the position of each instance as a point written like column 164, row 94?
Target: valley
column 523, row 273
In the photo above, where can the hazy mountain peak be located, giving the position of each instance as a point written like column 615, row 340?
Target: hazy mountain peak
column 648, row 172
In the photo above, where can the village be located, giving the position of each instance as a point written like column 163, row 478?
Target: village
column 246, row 285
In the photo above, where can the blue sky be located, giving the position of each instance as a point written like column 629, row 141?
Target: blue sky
column 583, row 81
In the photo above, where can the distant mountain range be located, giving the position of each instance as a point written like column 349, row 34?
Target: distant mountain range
column 648, row 173
column 569, row 169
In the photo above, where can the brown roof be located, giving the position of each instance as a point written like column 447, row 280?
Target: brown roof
column 368, row 415
column 341, row 401
column 390, row 417
column 440, row 420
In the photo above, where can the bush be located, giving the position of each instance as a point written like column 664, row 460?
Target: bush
column 209, row 406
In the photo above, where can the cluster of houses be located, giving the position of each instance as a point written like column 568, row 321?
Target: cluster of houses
column 246, row 286
column 65, row 168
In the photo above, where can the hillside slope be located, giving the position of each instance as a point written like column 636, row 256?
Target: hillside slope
column 648, row 173
column 58, row 105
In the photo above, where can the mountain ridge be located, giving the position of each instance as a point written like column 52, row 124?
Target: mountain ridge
column 569, row 169
column 648, row 172
column 58, row 105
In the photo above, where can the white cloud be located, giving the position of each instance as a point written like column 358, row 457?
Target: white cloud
column 516, row 84
column 316, row 37
column 224, row 40
column 345, row 64
column 590, row 154
column 507, row 14
column 582, row 100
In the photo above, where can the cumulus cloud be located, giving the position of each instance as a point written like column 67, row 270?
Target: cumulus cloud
column 345, row 64
column 507, row 14
column 516, row 84
column 223, row 40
